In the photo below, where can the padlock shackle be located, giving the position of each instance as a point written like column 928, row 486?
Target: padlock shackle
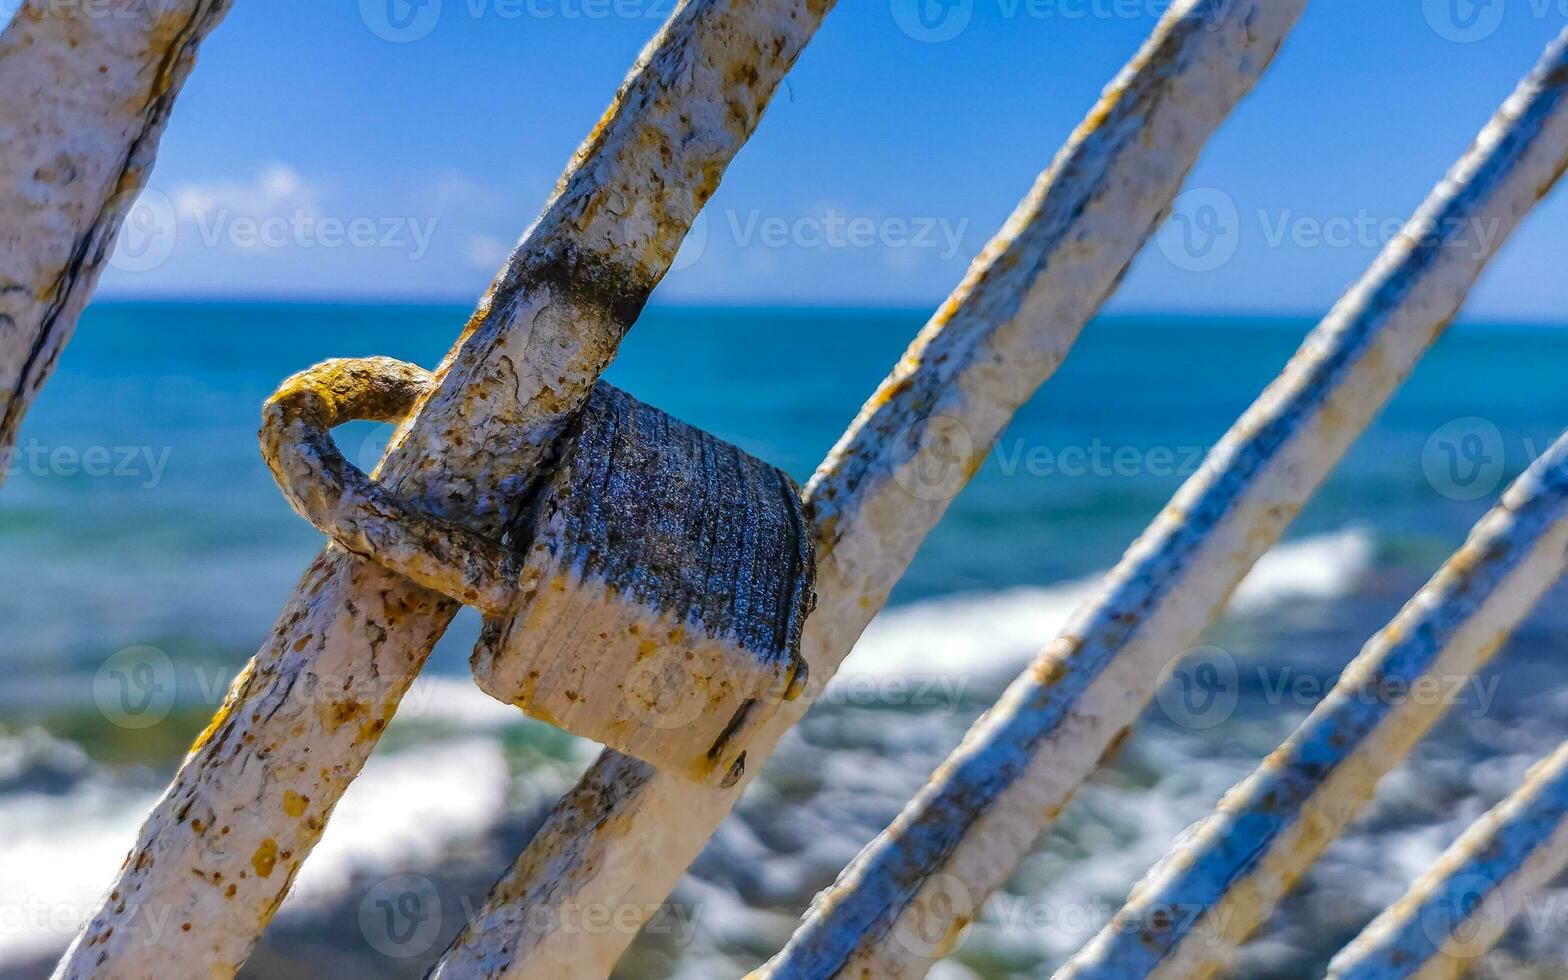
column 359, row 514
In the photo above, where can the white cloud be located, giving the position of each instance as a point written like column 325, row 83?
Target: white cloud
column 486, row 251
column 277, row 189
column 455, row 190
column 279, row 227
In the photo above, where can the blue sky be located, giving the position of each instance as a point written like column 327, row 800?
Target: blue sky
column 312, row 156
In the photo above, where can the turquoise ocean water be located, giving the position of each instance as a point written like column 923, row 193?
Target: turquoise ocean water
column 140, row 531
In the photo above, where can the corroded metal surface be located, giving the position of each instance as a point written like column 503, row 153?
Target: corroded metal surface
column 651, row 595
column 359, row 514
column 1229, row 872
column 217, row 854
column 85, row 92
column 620, row 840
column 676, row 519
column 1462, row 906
column 905, row 898
column 664, row 577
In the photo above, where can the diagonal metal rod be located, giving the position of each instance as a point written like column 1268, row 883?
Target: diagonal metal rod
column 219, row 851
column 1462, row 906
column 85, row 92
column 1227, row 874
column 901, row 902
column 618, row 843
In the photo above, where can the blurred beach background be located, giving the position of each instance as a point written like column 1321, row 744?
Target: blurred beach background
column 137, row 583
column 342, row 179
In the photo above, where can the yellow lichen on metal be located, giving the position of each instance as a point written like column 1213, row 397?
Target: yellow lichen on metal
column 363, row 516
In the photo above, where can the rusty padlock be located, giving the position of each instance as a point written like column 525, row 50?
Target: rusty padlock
column 649, row 596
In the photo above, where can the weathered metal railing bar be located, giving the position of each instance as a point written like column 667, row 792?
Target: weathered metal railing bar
column 218, row 852
column 1462, row 906
column 621, row 839
column 1228, row 874
column 85, row 93
column 963, row 835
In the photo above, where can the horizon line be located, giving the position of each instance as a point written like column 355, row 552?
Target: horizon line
column 431, row 302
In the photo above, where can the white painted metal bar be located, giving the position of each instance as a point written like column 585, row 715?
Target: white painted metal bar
column 618, row 843
column 85, row 92
column 219, row 851
column 1228, row 873
column 1462, row 906
column 904, row 899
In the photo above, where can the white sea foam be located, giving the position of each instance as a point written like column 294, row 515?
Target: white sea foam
column 457, row 702
column 998, row 632
column 57, row 850
column 58, row 847
column 1323, row 567
column 405, row 810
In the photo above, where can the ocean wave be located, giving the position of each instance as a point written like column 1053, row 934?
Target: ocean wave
column 997, row 633
column 66, row 823
column 58, row 848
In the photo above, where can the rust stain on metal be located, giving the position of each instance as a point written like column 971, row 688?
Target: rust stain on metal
column 265, row 858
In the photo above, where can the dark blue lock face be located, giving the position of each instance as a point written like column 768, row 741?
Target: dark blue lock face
column 665, row 579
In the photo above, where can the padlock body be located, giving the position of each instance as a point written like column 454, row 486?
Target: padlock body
column 666, row 576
